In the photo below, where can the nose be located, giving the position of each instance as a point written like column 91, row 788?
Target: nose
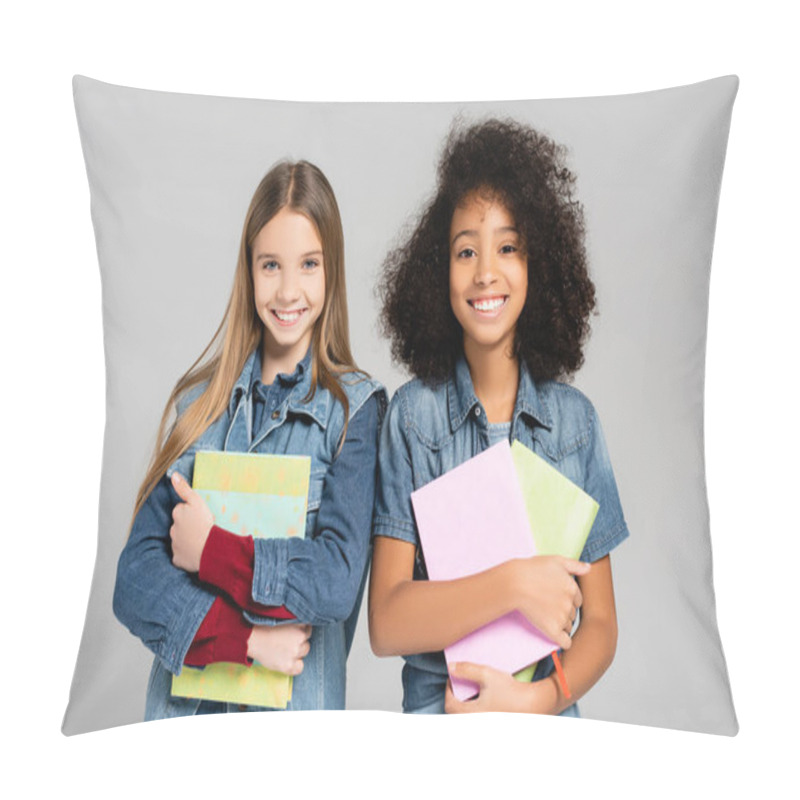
column 289, row 287
column 485, row 269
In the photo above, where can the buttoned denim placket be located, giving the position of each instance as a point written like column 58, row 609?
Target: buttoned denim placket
column 275, row 408
column 479, row 419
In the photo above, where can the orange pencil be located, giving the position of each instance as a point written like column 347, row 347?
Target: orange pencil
column 562, row 678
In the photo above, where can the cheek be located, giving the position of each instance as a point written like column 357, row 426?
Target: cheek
column 318, row 294
column 522, row 279
column 455, row 290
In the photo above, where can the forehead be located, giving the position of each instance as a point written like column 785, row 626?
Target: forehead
column 286, row 227
column 484, row 208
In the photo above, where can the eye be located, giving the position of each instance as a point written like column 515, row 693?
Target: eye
column 310, row 263
column 269, row 266
column 507, row 249
column 466, row 252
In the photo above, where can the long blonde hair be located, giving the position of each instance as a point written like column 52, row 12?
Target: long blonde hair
column 301, row 187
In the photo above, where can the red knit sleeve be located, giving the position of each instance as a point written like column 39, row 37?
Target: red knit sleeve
column 227, row 562
column 222, row 636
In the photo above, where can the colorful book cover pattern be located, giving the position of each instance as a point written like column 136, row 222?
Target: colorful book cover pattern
column 252, row 495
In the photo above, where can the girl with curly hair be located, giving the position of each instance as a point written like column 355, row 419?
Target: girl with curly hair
column 487, row 304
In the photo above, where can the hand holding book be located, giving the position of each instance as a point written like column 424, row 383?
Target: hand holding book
column 281, row 649
column 547, row 595
column 529, row 508
column 499, row 691
column 191, row 523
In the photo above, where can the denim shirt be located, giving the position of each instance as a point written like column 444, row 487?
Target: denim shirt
column 320, row 578
column 430, row 429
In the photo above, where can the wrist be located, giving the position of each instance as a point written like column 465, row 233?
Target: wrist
column 556, row 700
column 510, row 585
column 249, row 645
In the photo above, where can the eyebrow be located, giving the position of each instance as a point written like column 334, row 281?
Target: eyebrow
column 470, row 232
column 277, row 258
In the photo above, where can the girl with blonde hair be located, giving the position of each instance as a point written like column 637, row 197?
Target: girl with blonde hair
column 278, row 377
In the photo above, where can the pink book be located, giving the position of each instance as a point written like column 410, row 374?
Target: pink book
column 470, row 519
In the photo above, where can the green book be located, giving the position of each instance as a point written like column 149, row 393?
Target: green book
column 251, row 495
column 560, row 513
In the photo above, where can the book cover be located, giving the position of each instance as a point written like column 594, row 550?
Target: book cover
column 252, row 495
column 470, row 519
column 560, row 513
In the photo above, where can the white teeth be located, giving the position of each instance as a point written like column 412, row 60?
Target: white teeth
column 488, row 305
column 287, row 316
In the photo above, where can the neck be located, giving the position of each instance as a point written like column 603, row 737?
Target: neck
column 495, row 378
column 276, row 360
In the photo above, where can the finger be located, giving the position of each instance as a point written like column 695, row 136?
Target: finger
column 297, row 667
column 469, row 672
column 576, row 567
column 563, row 640
column 578, row 600
column 181, row 486
column 304, row 649
column 451, row 705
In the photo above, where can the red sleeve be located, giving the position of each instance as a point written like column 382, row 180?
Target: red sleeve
column 222, row 636
column 227, row 562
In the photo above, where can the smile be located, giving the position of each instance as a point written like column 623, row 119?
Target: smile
column 288, row 317
column 488, row 305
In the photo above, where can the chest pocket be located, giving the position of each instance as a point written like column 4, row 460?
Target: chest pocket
column 315, row 486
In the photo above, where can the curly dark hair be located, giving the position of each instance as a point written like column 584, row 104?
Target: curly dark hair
column 524, row 170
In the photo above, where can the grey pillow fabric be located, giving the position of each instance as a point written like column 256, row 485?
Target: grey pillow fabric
column 171, row 176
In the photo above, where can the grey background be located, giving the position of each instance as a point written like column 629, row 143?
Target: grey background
column 171, row 177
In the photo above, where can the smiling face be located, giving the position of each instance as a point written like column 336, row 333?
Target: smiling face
column 289, row 287
column 488, row 274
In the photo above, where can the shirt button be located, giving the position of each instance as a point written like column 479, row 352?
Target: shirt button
column 276, row 414
column 477, row 411
column 242, row 707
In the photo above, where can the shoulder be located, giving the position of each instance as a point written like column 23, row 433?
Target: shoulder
column 186, row 398
column 420, row 408
column 565, row 402
column 359, row 387
column 573, row 419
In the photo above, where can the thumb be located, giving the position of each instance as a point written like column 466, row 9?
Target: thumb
column 181, row 486
column 576, row 567
column 468, row 672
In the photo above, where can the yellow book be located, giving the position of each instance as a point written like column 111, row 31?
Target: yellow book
column 560, row 513
column 251, row 495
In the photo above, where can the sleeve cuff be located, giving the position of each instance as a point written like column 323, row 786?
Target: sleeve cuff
column 222, row 636
column 227, row 563
column 271, row 561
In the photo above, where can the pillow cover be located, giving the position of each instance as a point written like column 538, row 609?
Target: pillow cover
column 171, row 176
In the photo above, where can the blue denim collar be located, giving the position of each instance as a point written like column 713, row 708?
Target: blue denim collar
column 461, row 397
column 300, row 380
column 285, row 380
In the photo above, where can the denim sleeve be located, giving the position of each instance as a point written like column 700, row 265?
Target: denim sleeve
column 319, row 579
column 609, row 527
column 159, row 603
column 394, row 515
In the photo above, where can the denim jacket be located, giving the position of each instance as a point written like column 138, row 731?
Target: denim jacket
column 429, row 429
column 319, row 578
